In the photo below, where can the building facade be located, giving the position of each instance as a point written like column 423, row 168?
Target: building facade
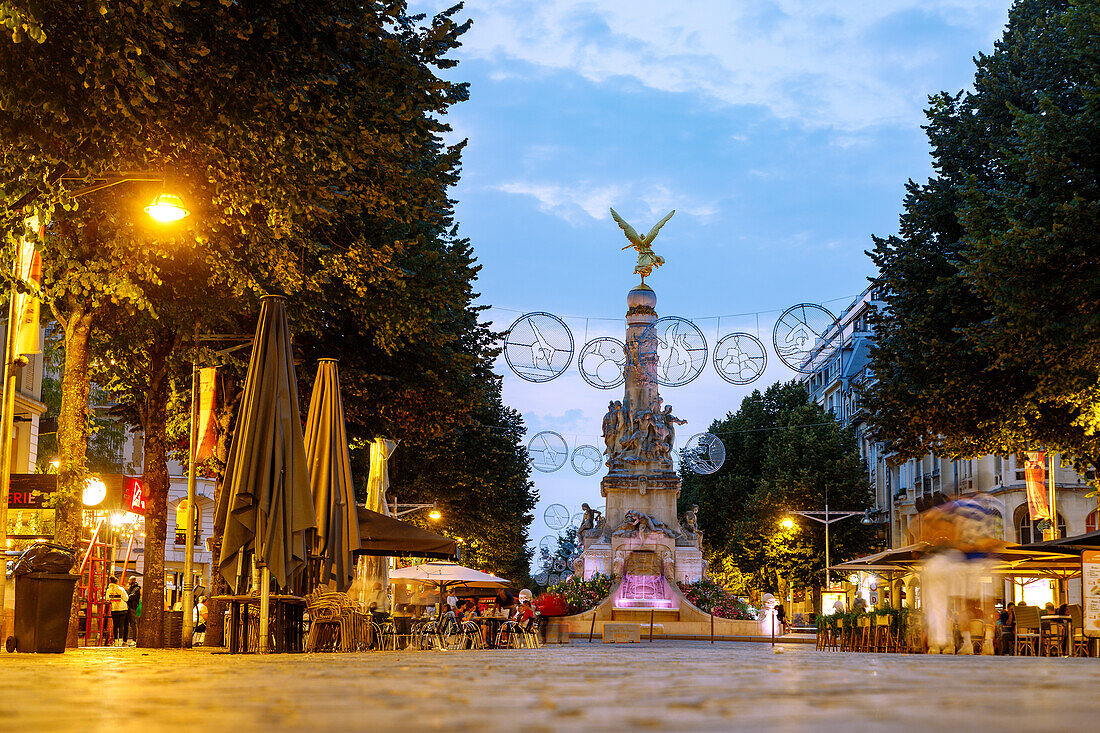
column 902, row 488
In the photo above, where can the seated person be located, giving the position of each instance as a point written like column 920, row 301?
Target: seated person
column 526, row 615
column 469, row 610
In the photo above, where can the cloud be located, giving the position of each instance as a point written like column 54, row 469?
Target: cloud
column 589, row 200
column 841, row 64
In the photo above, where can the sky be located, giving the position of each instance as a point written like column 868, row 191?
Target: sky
column 782, row 133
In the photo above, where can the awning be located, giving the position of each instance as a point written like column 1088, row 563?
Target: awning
column 1069, row 545
column 389, row 537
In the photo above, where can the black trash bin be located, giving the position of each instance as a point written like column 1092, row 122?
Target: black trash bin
column 42, row 605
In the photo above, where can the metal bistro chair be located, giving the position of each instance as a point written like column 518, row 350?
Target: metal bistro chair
column 450, row 633
column 531, row 635
column 510, row 635
column 1079, row 641
column 977, row 634
column 326, row 628
column 1027, row 631
column 474, row 638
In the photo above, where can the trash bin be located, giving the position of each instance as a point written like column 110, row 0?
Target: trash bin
column 42, row 604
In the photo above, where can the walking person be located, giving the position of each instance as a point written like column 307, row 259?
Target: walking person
column 120, row 611
column 133, row 602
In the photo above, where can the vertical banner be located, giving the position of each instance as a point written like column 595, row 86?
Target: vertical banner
column 207, row 433
column 379, row 479
column 28, row 269
column 1090, row 591
column 1035, row 477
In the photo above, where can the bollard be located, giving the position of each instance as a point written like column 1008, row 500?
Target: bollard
column 651, row 625
column 592, row 628
column 712, row 628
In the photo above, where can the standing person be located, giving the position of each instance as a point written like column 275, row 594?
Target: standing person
column 198, row 617
column 506, row 602
column 120, row 612
column 133, row 603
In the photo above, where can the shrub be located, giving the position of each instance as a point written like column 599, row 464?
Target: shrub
column 552, row 604
column 581, row 595
column 712, row 598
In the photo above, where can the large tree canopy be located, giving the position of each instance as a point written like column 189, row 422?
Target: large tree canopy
column 990, row 341
column 783, row 454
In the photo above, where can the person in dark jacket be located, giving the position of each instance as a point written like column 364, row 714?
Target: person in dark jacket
column 133, row 603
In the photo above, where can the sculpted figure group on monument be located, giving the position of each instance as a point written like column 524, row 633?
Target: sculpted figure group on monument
column 639, row 436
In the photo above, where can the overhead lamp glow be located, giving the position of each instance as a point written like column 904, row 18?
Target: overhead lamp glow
column 786, row 523
column 95, row 491
column 167, row 208
column 434, row 515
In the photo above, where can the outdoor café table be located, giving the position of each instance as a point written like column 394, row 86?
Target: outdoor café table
column 1048, row 623
column 492, row 625
column 285, row 624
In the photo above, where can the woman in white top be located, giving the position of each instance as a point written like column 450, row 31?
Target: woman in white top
column 120, row 611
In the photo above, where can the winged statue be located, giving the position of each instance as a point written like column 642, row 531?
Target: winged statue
column 648, row 260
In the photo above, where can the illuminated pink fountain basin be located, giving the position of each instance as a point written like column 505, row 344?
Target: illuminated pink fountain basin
column 644, row 591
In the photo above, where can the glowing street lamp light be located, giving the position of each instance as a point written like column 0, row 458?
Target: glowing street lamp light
column 167, row 208
column 434, row 515
column 786, row 523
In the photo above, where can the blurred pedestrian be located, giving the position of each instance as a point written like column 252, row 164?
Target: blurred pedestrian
column 120, row 612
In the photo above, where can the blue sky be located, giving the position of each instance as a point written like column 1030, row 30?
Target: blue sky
column 782, row 133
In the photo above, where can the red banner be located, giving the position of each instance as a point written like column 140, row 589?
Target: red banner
column 1035, row 475
column 208, row 433
column 135, row 496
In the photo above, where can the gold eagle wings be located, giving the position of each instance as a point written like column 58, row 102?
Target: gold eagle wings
column 648, row 260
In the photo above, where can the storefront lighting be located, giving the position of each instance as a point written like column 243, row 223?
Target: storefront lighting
column 95, row 491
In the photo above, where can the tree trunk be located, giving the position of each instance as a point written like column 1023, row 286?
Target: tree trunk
column 154, row 422
column 216, row 612
column 72, row 443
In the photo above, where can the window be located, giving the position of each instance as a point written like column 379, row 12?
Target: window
column 1090, row 521
column 1028, row 531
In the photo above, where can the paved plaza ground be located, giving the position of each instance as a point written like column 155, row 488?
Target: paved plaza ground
column 666, row 685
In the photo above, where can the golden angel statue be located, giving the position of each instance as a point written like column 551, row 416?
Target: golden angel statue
column 648, row 260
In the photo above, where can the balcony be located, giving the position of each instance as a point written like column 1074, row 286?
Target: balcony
column 181, row 537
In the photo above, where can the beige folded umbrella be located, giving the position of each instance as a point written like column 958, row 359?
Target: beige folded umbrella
column 337, row 536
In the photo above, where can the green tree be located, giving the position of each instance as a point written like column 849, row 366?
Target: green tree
column 783, row 453
column 480, row 477
column 989, row 342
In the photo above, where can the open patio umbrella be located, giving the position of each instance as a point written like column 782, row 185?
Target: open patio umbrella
column 265, row 504
column 337, row 536
column 383, row 536
column 444, row 575
column 1070, row 545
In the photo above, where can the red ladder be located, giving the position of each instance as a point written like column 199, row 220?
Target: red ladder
column 92, row 589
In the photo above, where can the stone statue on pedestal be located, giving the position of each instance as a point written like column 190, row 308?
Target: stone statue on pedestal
column 635, row 522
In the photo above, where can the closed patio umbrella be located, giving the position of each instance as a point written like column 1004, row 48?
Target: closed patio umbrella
column 337, row 536
column 265, row 505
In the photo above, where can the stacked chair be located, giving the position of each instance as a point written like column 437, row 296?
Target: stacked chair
column 336, row 624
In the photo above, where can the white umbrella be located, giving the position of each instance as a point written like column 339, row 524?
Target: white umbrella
column 444, row 574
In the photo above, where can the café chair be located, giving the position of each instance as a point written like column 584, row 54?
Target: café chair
column 1027, row 631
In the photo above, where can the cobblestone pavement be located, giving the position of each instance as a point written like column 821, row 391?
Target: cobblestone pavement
column 681, row 686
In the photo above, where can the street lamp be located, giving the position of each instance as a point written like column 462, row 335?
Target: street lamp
column 786, row 523
column 827, row 518
column 166, row 208
column 13, row 360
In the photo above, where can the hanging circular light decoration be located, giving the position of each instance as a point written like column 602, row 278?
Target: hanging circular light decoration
column 740, row 358
column 704, row 453
column 672, row 351
column 556, row 517
column 587, row 460
column 602, row 362
column 538, row 347
column 542, row 578
column 803, row 335
column 548, row 452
